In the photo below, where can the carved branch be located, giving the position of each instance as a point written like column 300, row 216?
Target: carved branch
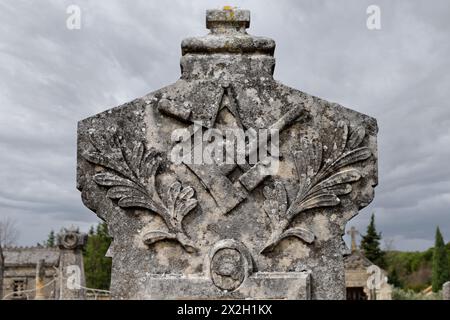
column 320, row 182
column 131, row 181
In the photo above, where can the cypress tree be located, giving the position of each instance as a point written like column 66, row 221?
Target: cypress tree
column 370, row 244
column 440, row 271
column 51, row 239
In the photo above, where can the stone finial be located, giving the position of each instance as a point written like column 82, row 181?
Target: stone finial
column 228, row 35
column 227, row 19
column 446, row 291
column 71, row 238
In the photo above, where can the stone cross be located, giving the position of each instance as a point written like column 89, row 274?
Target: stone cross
column 353, row 233
column 227, row 183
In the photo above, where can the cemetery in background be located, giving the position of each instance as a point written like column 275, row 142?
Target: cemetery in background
column 410, row 274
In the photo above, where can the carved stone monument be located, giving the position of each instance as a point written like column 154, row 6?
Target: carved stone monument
column 71, row 268
column 267, row 223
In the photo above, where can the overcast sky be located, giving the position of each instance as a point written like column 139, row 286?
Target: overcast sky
column 51, row 77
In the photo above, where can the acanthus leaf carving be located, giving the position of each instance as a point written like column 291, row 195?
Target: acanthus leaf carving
column 131, row 181
column 180, row 201
column 356, row 137
column 322, row 178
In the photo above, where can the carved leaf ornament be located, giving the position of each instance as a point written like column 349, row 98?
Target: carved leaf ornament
column 320, row 182
column 131, row 182
column 322, row 178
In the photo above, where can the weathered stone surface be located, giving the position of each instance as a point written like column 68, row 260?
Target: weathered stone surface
column 261, row 285
column 71, row 268
column 446, row 291
column 282, row 231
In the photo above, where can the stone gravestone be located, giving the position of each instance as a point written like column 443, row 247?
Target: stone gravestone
column 265, row 223
column 71, row 267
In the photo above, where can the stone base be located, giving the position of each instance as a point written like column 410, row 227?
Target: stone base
column 260, row 285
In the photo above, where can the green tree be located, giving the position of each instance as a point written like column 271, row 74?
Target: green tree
column 97, row 267
column 370, row 244
column 394, row 279
column 51, row 239
column 440, row 267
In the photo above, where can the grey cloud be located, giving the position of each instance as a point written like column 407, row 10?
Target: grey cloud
column 51, row 77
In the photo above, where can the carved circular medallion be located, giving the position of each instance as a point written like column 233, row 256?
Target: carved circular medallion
column 70, row 240
column 227, row 269
column 229, row 264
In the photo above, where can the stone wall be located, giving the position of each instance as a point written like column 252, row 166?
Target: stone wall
column 27, row 274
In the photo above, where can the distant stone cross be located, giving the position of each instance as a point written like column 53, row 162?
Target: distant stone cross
column 353, row 232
